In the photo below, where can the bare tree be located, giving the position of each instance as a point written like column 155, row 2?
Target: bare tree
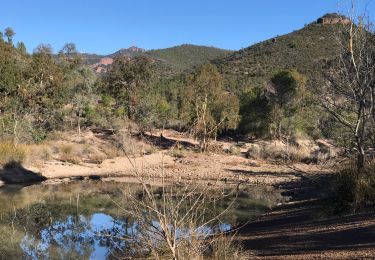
column 173, row 221
column 349, row 93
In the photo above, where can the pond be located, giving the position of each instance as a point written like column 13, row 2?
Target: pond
column 90, row 219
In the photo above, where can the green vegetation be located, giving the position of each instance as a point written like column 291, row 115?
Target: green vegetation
column 306, row 50
column 186, row 56
column 207, row 108
column 170, row 61
column 288, row 88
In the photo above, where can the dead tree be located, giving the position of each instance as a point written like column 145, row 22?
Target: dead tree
column 349, row 92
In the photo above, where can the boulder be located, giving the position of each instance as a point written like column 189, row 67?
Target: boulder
column 254, row 152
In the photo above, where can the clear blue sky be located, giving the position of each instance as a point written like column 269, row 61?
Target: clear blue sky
column 104, row 26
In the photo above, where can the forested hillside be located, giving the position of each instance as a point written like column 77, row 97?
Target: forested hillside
column 186, row 56
column 306, row 50
column 170, row 61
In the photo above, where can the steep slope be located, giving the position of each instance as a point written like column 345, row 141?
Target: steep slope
column 306, row 50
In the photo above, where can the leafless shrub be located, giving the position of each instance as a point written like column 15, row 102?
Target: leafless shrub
column 177, row 221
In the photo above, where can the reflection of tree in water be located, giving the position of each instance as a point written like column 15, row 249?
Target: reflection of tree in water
column 67, row 239
column 55, row 229
column 79, row 237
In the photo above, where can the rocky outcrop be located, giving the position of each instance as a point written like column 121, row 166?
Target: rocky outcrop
column 333, row 19
column 102, row 66
column 105, row 62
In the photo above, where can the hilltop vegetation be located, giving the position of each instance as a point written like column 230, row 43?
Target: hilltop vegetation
column 306, row 50
column 187, row 56
column 170, row 61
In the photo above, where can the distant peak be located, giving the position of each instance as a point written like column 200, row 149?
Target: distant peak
column 135, row 49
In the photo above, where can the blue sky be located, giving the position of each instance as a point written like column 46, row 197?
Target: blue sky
column 104, row 26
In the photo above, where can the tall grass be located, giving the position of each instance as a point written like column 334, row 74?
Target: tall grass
column 11, row 152
column 278, row 150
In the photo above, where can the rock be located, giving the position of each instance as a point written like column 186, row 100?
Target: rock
column 15, row 173
column 226, row 148
column 252, row 163
column 253, row 152
column 2, row 183
column 328, row 147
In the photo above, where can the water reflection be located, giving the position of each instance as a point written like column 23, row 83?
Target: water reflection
column 47, row 223
column 76, row 237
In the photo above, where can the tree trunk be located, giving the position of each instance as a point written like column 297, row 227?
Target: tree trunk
column 79, row 122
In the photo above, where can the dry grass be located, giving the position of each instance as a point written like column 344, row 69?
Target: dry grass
column 11, row 152
column 178, row 153
column 224, row 247
column 96, row 156
column 132, row 146
column 69, row 154
column 277, row 150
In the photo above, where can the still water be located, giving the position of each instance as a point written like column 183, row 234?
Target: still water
column 88, row 220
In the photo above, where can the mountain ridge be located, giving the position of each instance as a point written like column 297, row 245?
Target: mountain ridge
column 171, row 60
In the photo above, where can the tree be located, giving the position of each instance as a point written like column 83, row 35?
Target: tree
column 284, row 94
column 21, row 47
column 78, row 80
column 9, row 33
column 126, row 78
column 12, row 91
column 349, row 94
column 207, row 107
column 45, row 89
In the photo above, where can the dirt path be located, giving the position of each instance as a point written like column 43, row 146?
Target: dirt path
column 297, row 230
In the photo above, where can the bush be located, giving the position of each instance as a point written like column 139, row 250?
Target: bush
column 278, row 150
column 67, row 154
column 354, row 190
column 177, row 153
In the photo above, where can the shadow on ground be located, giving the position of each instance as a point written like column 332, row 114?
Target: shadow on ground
column 298, row 228
column 166, row 143
column 14, row 173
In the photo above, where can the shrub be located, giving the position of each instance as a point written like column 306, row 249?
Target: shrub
column 97, row 156
column 355, row 190
column 278, row 150
column 223, row 247
column 177, row 153
column 67, row 154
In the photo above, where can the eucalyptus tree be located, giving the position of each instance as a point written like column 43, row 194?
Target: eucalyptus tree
column 284, row 96
column 9, row 33
column 126, row 78
column 207, row 107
